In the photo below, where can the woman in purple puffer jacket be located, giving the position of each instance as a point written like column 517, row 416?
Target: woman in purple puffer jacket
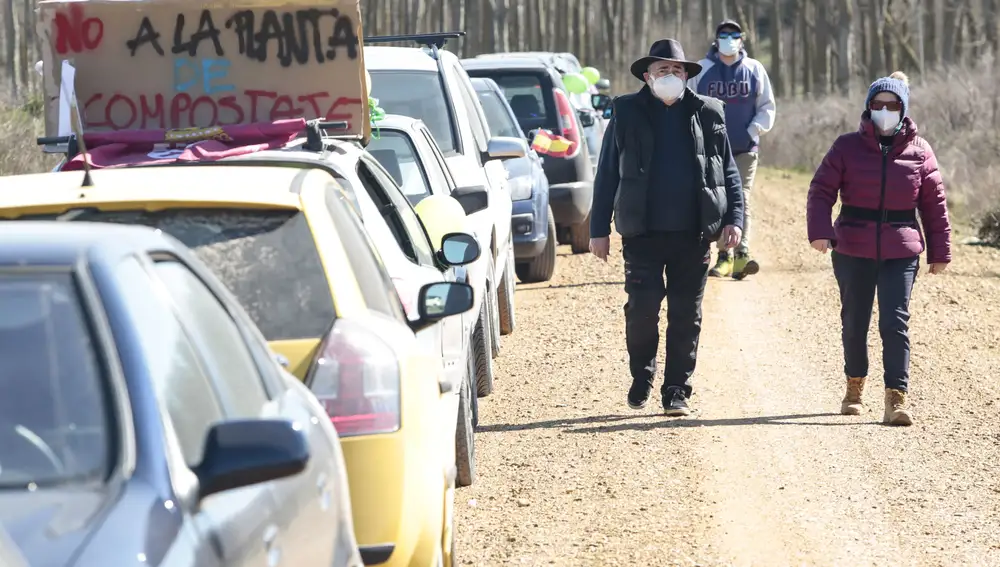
column 884, row 174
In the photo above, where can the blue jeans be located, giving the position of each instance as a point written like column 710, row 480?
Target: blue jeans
column 859, row 280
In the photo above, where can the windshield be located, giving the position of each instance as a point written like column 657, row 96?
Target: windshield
column 54, row 416
column 497, row 118
column 266, row 257
column 396, row 154
column 417, row 94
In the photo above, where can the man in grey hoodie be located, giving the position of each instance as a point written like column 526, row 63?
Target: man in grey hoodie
column 731, row 76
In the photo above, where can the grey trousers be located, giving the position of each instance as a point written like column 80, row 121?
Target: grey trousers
column 747, row 164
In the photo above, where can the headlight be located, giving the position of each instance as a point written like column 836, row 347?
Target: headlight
column 520, row 188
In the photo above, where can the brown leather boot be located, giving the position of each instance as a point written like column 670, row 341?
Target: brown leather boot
column 851, row 404
column 895, row 408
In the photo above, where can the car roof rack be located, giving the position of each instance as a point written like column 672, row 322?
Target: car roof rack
column 435, row 41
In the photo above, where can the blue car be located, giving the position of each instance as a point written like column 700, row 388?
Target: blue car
column 143, row 420
column 532, row 223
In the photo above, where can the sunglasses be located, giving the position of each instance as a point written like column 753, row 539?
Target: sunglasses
column 730, row 35
column 891, row 106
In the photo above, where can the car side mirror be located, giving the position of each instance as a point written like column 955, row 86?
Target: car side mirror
column 459, row 249
column 608, row 112
column 439, row 300
column 600, row 101
column 603, row 84
column 586, row 118
column 244, row 452
column 503, row 147
column 473, row 198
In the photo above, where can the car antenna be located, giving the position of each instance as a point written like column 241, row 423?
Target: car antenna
column 78, row 133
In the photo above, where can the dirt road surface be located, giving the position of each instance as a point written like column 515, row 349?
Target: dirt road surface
column 766, row 472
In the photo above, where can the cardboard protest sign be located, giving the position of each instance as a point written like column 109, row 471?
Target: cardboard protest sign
column 166, row 64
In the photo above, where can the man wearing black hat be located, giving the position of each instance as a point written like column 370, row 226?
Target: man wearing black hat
column 667, row 175
column 730, row 75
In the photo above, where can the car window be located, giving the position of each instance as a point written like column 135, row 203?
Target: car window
column 396, row 153
column 413, row 234
column 469, row 101
column 56, row 421
column 267, row 258
column 439, row 158
column 375, row 283
column 418, row 94
column 435, row 174
column 497, row 118
column 178, row 377
column 222, row 347
column 527, row 98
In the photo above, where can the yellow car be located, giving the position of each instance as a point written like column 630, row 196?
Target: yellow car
column 287, row 242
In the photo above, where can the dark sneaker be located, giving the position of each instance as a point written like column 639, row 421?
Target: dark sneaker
column 638, row 394
column 675, row 403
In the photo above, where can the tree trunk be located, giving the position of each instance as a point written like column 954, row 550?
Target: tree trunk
column 845, row 46
column 777, row 50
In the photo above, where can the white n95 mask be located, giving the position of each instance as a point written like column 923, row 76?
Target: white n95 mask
column 885, row 119
column 669, row 87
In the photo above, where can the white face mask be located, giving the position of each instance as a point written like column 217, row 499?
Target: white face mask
column 729, row 46
column 669, row 87
column 885, row 119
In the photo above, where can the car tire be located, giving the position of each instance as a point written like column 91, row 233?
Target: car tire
column 580, row 236
column 541, row 267
column 465, row 437
column 508, row 321
column 481, row 352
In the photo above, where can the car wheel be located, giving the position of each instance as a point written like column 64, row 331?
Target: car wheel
column 506, row 300
column 580, row 236
column 541, row 267
column 465, row 440
column 482, row 353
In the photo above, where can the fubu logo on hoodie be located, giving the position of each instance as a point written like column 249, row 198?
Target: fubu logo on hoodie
column 729, row 90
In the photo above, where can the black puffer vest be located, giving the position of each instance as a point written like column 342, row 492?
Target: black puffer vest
column 635, row 141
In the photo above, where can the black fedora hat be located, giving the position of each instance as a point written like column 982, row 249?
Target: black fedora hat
column 664, row 50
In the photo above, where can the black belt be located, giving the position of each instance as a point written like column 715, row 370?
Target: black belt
column 872, row 215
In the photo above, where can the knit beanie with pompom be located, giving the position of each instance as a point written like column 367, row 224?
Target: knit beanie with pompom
column 898, row 84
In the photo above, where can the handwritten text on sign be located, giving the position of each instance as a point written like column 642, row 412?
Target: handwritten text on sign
column 164, row 67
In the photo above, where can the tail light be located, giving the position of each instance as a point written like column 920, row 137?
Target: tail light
column 570, row 130
column 356, row 378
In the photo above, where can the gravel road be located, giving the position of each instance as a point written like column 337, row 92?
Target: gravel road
column 766, row 472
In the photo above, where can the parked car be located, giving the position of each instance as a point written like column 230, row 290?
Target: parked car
column 143, row 415
column 430, row 84
column 533, row 224
column 535, row 92
column 407, row 150
column 412, row 261
column 293, row 252
column 592, row 120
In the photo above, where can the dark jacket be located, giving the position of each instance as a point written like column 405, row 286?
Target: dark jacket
column 905, row 179
column 622, row 182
